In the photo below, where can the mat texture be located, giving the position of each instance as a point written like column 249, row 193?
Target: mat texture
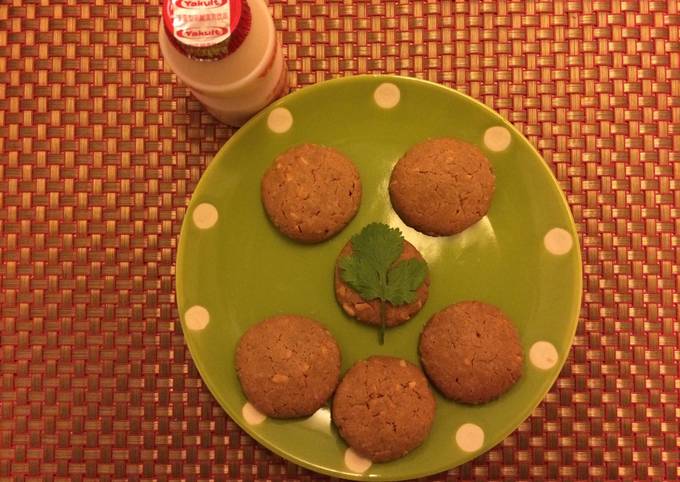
column 100, row 150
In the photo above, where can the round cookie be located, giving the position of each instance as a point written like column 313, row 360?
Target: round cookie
column 442, row 186
column 311, row 192
column 288, row 366
column 383, row 408
column 369, row 311
column 471, row 352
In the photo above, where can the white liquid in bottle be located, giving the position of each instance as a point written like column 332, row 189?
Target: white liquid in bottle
column 226, row 52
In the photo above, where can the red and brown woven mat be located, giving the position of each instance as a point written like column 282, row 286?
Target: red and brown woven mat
column 100, row 150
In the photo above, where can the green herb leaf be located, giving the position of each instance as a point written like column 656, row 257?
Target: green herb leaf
column 361, row 277
column 372, row 270
column 403, row 281
column 378, row 245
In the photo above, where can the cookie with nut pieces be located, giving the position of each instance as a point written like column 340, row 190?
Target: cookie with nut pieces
column 368, row 311
column 442, row 186
column 288, row 366
column 310, row 192
column 471, row 351
column 383, row 408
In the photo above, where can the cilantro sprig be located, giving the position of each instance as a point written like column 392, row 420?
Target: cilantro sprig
column 373, row 271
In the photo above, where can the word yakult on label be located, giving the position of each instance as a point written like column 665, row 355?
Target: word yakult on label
column 201, row 23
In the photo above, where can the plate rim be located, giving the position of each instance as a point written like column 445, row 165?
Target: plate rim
column 577, row 282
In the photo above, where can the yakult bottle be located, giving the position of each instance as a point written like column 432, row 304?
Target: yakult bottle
column 226, row 52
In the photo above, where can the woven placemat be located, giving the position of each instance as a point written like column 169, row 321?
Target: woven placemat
column 100, row 150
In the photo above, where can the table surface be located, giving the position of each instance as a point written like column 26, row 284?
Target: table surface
column 101, row 149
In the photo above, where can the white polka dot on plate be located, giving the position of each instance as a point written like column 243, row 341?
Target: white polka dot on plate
column 543, row 355
column 205, row 216
column 196, row 318
column 558, row 241
column 252, row 415
column 470, row 437
column 280, row 120
column 497, row 138
column 387, row 95
column 356, row 463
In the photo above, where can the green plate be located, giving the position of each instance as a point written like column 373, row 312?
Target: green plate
column 234, row 268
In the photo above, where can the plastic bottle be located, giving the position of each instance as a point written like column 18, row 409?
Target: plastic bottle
column 227, row 53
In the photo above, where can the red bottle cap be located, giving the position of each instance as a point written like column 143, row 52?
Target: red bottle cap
column 205, row 29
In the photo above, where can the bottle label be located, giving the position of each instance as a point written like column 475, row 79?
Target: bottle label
column 201, row 23
column 206, row 29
